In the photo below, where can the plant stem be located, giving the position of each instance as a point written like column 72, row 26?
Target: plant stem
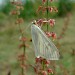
column 24, row 48
column 47, row 15
column 23, row 62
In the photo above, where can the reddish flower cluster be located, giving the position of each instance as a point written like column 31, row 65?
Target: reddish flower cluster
column 16, row 11
column 48, row 34
column 44, row 1
column 23, row 44
column 50, row 8
column 42, row 66
column 48, row 72
column 51, row 34
column 41, row 22
column 19, row 21
column 52, row 22
column 16, row 2
column 18, row 6
column 47, row 22
column 21, row 57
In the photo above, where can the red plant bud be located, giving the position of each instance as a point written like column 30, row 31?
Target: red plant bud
column 47, row 62
column 53, row 35
column 40, row 21
column 52, row 22
column 51, row 9
column 50, row 71
column 37, row 59
column 48, row 34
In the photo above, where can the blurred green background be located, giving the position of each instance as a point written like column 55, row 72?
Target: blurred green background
column 9, row 36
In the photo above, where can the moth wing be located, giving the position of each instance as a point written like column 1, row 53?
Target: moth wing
column 44, row 47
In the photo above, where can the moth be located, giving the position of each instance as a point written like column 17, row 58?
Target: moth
column 43, row 46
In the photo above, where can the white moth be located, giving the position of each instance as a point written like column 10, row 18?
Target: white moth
column 43, row 46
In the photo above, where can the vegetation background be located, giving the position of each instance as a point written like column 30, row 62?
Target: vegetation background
column 9, row 36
